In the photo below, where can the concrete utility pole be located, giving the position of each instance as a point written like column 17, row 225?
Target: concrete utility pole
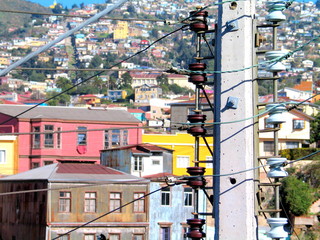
column 234, row 147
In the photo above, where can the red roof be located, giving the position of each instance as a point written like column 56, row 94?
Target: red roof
column 159, row 175
column 88, row 95
column 131, row 110
column 84, row 168
column 304, row 86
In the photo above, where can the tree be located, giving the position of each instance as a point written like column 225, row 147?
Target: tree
column 61, row 100
column 162, row 80
column 315, row 129
column 318, row 4
column 126, row 80
column 295, row 195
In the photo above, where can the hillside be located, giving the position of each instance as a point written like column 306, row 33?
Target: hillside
column 17, row 20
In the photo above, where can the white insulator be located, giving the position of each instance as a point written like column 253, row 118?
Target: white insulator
column 275, row 9
column 277, row 228
column 275, row 66
column 275, row 114
column 276, row 168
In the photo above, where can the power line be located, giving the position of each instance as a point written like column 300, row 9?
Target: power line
column 114, row 210
column 89, row 69
column 62, row 37
column 97, row 74
column 82, row 16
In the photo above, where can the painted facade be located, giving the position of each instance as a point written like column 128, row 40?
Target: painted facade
column 138, row 160
column 8, row 155
column 84, row 192
column 294, row 133
column 77, row 142
column 183, row 146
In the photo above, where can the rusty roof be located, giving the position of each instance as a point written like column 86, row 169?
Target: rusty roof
column 74, row 173
column 68, row 113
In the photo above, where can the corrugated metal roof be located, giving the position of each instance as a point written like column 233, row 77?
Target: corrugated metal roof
column 74, row 172
column 69, row 113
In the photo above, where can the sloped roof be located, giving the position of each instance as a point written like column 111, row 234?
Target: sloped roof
column 68, row 113
column 304, row 86
column 74, row 172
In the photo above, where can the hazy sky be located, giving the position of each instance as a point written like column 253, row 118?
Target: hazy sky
column 66, row 3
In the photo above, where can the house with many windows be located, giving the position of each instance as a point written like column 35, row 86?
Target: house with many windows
column 138, row 160
column 61, row 197
column 61, row 134
column 293, row 133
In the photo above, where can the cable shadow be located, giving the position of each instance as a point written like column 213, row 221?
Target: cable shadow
column 231, row 136
column 233, row 187
column 237, row 85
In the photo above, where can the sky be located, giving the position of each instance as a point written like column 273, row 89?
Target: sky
column 66, row 3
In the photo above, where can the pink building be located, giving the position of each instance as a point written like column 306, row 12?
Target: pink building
column 62, row 134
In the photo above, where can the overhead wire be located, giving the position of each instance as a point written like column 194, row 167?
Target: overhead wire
column 114, row 210
column 95, row 75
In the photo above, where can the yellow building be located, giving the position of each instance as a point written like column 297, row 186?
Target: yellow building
column 8, row 155
column 183, row 154
column 121, row 31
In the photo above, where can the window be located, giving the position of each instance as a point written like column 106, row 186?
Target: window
column 36, row 138
column 47, row 162
column 48, row 136
column 209, row 164
column 90, row 202
column 268, row 146
column 165, row 196
column 188, row 195
column 82, row 136
column 137, row 237
column 292, row 144
column 3, row 156
column 183, row 161
column 59, row 138
column 137, row 163
column 138, row 206
column 65, row 202
column 115, row 138
column 298, row 124
column 35, row 165
column 165, row 233
column 155, row 162
column 89, row 237
column 115, row 201
column 114, row 236
column 64, row 237
column 268, row 125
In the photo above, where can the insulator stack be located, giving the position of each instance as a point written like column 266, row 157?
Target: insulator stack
column 199, row 21
column 195, row 230
column 198, row 130
column 197, row 78
column 197, row 181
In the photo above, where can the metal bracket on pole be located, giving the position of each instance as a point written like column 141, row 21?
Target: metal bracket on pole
column 232, row 26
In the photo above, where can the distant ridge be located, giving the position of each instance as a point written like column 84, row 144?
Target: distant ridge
column 17, row 20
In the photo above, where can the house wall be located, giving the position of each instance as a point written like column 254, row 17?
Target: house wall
column 183, row 145
column 69, row 148
column 9, row 145
column 286, row 134
column 125, row 223
column 23, row 215
column 175, row 215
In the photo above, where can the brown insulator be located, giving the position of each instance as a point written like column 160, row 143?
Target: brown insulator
column 195, row 229
column 195, row 171
column 199, row 15
column 197, row 181
column 198, row 27
column 197, row 78
column 197, row 131
column 197, row 66
column 197, row 118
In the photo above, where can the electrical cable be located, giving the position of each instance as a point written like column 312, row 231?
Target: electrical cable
column 114, row 210
column 97, row 74
column 88, row 184
column 277, row 59
column 62, row 37
column 82, row 16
